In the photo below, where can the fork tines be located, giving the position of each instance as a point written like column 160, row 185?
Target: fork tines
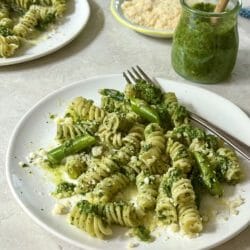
column 136, row 74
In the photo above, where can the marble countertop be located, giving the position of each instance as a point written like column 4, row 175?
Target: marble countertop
column 103, row 47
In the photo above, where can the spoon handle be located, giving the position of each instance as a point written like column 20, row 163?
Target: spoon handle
column 220, row 6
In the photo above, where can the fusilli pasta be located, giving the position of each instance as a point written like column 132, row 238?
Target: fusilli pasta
column 95, row 173
column 130, row 171
column 147, row 186
column 84, row 217
column 106, row 189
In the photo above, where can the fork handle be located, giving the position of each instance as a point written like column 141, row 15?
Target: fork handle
column 239, row 146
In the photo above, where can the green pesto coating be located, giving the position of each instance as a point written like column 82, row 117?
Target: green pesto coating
column 147, row 92
column 204, row 51
column 142, row 233
column 63, row 190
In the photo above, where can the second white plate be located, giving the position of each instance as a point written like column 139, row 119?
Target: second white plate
column 36, row 130
column 66, row 29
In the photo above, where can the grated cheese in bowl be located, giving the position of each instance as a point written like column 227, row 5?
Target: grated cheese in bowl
column 156, row 14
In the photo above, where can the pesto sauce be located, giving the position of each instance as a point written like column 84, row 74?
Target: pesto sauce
column 55, row 173
column 204, row 51
column 142, row 233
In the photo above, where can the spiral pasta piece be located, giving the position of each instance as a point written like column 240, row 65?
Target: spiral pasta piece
column 201, row 146
column 106, row 189
column 111, row 105
column 85, row 217
column 6, row 23
column 68, row 129
column 23, row 4
column 132, row 144
column 110, row 138
column 154, row 145
column 188, row 214
column 182, row 191
column 8, row 45
column 4, row 10
column 147, row 186
column 118, row 122
column 44, row 2
column 135, row 136
column 178, row 113
column 59, row 6
column 165, row 209
column 135, row 166
column 179, row 155
column 120, row 213
column 27, row 23
column 84, row 109
column 111, row 122
column 229, row 165
column 189, row 218
column 43, row 12
column 75, row 166
column 95, row 173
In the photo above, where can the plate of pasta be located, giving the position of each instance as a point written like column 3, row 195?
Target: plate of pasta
column 32, row 29
column 107, row 165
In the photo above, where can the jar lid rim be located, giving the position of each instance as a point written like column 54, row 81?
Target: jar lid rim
column 211, row 14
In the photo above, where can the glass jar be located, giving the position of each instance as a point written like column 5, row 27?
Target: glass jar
column 205, row 43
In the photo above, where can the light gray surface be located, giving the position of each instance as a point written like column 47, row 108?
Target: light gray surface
column 103, row 47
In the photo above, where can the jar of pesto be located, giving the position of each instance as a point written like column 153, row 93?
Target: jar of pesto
column 205, row 43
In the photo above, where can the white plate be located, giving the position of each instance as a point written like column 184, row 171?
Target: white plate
column 35, row 131
column 66, row 29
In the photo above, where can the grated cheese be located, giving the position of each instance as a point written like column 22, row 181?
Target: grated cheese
column 157, row 14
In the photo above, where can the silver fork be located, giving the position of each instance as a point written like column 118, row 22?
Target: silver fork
column 137, row 74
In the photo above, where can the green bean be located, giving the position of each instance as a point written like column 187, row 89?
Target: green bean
column 141, row 108
column 208, row 174
column 70, row 147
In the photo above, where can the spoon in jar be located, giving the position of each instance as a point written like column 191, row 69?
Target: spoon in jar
column 220, row 7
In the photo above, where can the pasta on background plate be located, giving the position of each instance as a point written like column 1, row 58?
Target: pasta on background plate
column 20, row 19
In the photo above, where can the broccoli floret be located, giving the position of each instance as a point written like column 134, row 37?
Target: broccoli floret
column 186, row 133
column 63, row 190
column 148, row 92
column 164, row 116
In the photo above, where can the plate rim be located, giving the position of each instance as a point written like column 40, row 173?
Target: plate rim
column 138, row 28
column 58, row 91
column 32, row 57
